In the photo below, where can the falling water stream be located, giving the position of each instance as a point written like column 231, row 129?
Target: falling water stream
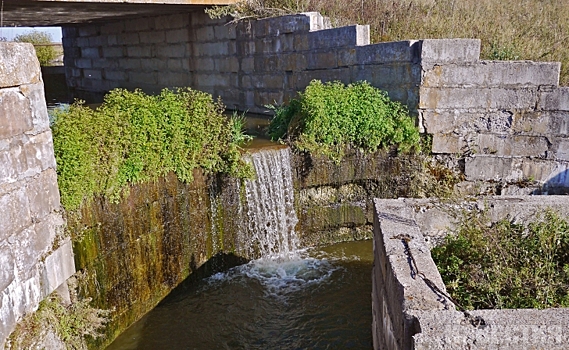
column 287, row 299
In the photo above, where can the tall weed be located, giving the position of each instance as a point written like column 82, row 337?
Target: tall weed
column 507, row 265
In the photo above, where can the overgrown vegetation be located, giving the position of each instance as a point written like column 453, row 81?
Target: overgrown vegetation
column 507, row 265
column 134, row 137
column 42, row 43
column 509, row 29
column 328, row 117
column 71, row 323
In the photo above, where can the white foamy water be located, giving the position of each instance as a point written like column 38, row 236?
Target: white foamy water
column 271, row 218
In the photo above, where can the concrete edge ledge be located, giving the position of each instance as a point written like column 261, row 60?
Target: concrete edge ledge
column 427, row 320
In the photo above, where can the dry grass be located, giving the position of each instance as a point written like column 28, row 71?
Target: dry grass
column 509, row 29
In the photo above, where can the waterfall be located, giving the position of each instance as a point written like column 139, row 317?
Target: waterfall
column 271, row 217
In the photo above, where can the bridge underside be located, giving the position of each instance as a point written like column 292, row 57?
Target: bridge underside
column 63, row 12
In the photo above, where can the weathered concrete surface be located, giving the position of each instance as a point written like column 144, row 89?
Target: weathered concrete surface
column 407, row 314
column 35, row 257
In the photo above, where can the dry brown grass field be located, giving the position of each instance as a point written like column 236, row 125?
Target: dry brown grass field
column 509, row 29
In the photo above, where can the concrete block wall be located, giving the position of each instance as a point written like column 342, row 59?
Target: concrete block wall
column 35, row 259
column 505, row 121
column 409, row 314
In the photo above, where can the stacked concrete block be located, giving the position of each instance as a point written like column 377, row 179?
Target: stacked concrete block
column 411, row 313
column 506, row 118
column 35, row 257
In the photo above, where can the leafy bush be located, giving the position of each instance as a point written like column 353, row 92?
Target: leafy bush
column 507, row 265
column 133, row 137
column 41, row 41
column 327, row 117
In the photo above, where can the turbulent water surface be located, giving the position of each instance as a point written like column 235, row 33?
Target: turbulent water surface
column 316, row 299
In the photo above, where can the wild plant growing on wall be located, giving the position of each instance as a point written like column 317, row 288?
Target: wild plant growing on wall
column 134, row 137
column 506, row 265
column 328, row 117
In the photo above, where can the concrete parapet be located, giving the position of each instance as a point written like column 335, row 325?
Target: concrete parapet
column 412, row 314
column 31, row 222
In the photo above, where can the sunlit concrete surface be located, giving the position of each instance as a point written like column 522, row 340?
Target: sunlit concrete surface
column 58, row 12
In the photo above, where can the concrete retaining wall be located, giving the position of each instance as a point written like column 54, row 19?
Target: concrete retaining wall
column 34, row 256
column 502, row 124
column 410, row 314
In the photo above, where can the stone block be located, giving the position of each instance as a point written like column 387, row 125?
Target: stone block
column 139, row 51
column 100, row 40
column 39, row 152
column 487, row 168
column 112, row 40
column 177, row 36
column 88, row 30
column 266, row 63
column 493, row 74
column 347, row 57
column 558, row 123
column 174, row 64
column 294, row 62
column 562, row 152
column 36, row 97
column 512, row 145
column 386, row 76
column 247, row 65
column 321, row 60
column 106, row 63
column 170, row 51
column 130, row 63
column 463, row 121
column 43, row 194
column 92, row 74
column 477, row 98
column 7, row 260
column 301, row 42
column 129, row 39
column 15, row 113
column 117, row 75
column 556, row 100
column 181, row 20
column 115, row 27
column 287, row 24
column 153, row 64
column 356, row 35
column 226, row 64
column 18, row 64
column 139, row 24
column 142, row 77
column 82, row 42
column 225, row 32
column 83, row 63
column 204, row 34
column 245, row 48
column 204, row 64
column 447, row 144
column 317, row 21
column 302, row 79
column 263, row 98
column 398, row 51
column 267, row 81
column 58, row 267
column 439, row 51
column 112, row 52
column 154, row 37
column 15, row 213
column 173, row 79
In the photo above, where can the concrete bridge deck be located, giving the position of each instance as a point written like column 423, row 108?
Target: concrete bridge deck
column 60, row 12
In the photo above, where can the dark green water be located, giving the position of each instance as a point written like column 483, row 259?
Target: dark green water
column 320, row 299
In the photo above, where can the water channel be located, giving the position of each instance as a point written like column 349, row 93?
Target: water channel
column 290, row 298
column 320, row 300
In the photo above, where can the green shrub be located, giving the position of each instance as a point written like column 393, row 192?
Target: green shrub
column 134, row 137
column 328, row 117
column 507, row 265
column 42, row 43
